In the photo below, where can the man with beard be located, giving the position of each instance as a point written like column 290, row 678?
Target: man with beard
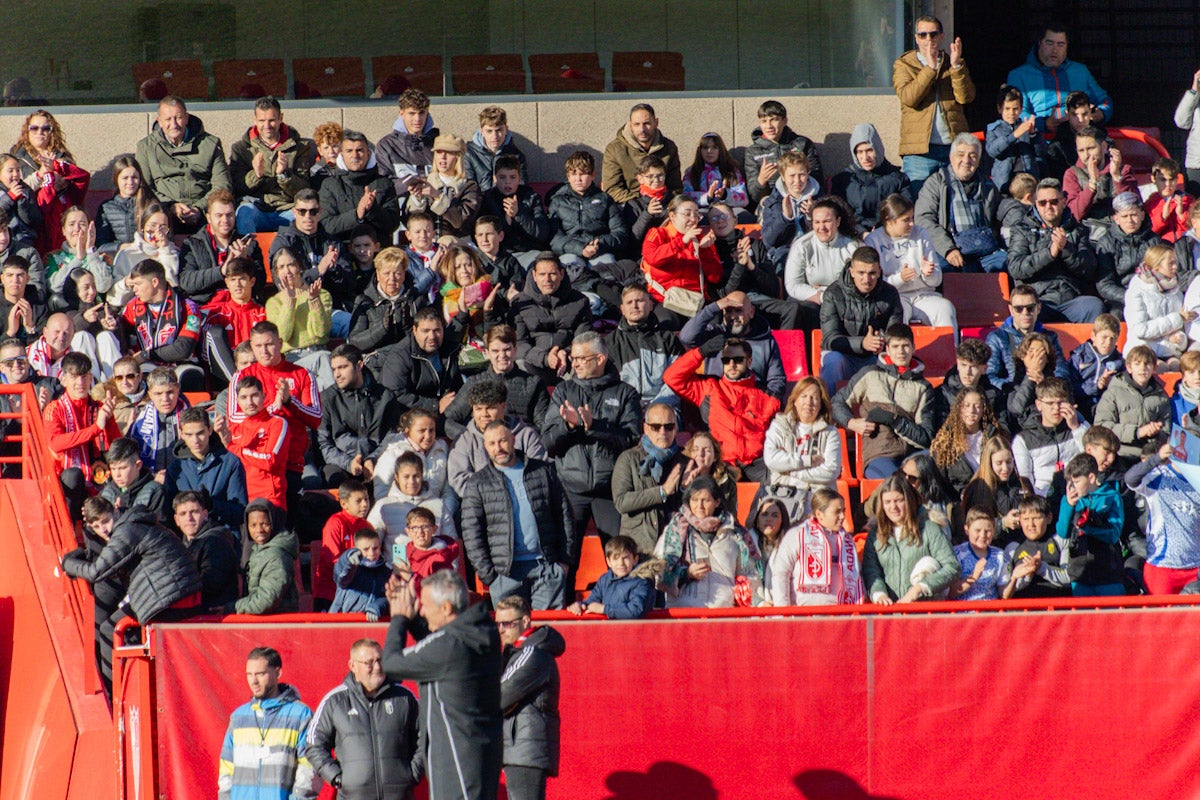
column 733, row 316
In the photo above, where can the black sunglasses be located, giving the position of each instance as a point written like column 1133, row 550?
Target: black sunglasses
column 732, row 359
column 661, row 426
column 928, row 34
column 305, row 212
column 1025, row 309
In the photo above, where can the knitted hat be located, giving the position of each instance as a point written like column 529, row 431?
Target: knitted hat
column 448, row 143
column 1126, row 200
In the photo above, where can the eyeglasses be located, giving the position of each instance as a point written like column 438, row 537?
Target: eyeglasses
column 507, row 623
column 1027, row 309
column 732, row 359
column 131, row 376
column 928, row 34
column 583, row 359
column 420, row 528
column 307, row 212
column 715, row 216
column 41, row 128
column 655, row 178
column 374, row 662
column 20, row 361
column 661, row 426
column 1047, row 203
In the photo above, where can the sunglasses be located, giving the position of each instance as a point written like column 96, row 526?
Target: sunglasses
column 733, row 359
column 41, row 128
column 1028, row 309
column 928, row 34
column 14, row 362
column 132, row 376
column 1047, row 203
column 661, row 426
column 307, row 212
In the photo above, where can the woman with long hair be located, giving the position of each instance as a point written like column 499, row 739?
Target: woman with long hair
column 803, row 449
column 957, row 446
column 116, row 221
column 49, row 169
column 909, row 558
column 715, row 178
column 303, row 312
column 704, row 458
column 998, row 488
column 152, row 240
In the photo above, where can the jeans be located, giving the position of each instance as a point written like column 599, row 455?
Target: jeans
column 539, row 581
column 881, row 467
column 839, row 367
column 1083, row 309
column 525, row 783
column 920, row 167
column 252, row 219
column 340, row 327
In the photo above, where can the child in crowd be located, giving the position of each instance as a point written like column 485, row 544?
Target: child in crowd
column 1135, row 406
column 130, row 485
column 785, row 213
column 998, row 488
column 361, row 574
column 271, row 569
column 416, row 433
column 1061, row 153
column 911, row 264
column 1017, row 204
column 468, row 291
column 714, row 177
column 243, row 356
column 424, row 254
column 409, row 489
column 1090, row 518
column 1187, row 388
column 447, row 192
column 230, row 315
column 338, row 536
column 116, row 220
column 626, row 590
column 987, row 572
column 969, row 372
column 260, row 442
column 1013, row 145
column 91, row 314
column 770, row 140
column 1095, row 363
column 421, row 551
column 1047, row 554
column 79, row 430
column 503, row 268
column 1169, row 204
column 1052, row 438
column 156, row 427
column 649, row 209
column 526, row 227
column 492, row 142
column 816, row 562
column 1173, row 525
column 18, row 201
column 78, row 252
column 353, row 273
column 586, row 229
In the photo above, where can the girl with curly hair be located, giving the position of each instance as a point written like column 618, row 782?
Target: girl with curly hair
column 956, row 448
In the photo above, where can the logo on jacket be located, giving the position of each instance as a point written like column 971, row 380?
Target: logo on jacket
column 387, row 706
column 353, row 712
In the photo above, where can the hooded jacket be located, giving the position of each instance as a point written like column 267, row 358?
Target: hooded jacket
column 160, row 572
column 284, row 772
column 865, row 189
column 762, row 149
column 1124, row 407
column 778, row 232
column 270, row 585
column 621, row 157
column 530, row 229
column 528, row 399
column 1057, row 279
column 340, row 194
column 765, row 360
column 846, row 313
column 1045, row 89
column 215, row 551
column 576, row 219
column 529, row 690
column 640, row 353
column 273, row 191
column 458, row 668
column 906, row 396
column 403, row 155
column 355, row 421
column 738, row 277
column 584, row 458
column 952, row 384
column 375, row 739
column 412, row 376
column 468, row 454
column 377, row 321
column 1118, row 254
column 1152, row 315
column 789, row 449
column 183, row 173
column 933, row 208
column 200, row 267
column 220, row 473
column 144, row 493
column 546, row 321
column 918, row 88
column 480, row 162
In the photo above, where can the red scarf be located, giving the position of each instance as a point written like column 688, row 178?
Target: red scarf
column 822, row 551
column 424, row 563
column 654, row 194
column 221, row 252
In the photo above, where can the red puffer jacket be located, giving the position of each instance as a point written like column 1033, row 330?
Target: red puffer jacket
column 669, row 261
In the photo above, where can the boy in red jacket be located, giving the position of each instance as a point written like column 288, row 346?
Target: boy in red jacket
column 230, row 316
column 80, row 430
column 259, row 440
column 426, row 551
column 338, row 536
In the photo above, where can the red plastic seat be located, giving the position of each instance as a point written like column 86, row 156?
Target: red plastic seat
column 980, row 299
column 492, row 73
column 936, row 349
column 566, row 73
column 816, row 352
column 328, row 77
column 1073, row 334
column 250, row 78
column 183, row 78
column 394, row 74
column 848, row 474
column 745, row 498
column 591, row 563
column 794, row 353
column 648, row 71
column 1170, row 380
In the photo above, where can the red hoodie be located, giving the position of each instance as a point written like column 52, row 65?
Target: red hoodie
column 259, row 442
column 302, row 412
column 424, row 563
column 235, row 318
column 336, row 538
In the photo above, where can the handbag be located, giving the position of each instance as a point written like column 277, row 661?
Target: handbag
column 977, row 241
column 685, row 302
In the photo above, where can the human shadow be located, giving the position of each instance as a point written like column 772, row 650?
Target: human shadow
column 829, row 784
column 664, row 780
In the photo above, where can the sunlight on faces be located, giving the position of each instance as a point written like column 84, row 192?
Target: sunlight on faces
column 685, row 216
column 267, row 348
column 157, row 225
column 1003, row 464
column 488, row 239
column 770, row 520
column 58, row 332
column 14, row 365
column 703, row 504
column 262, row 679
column 259, row 525
column 74, row 224
column 356, row 504
column 196, row 437
column 124, row 473
column 502, row 355
column 866, row 157
column 366, row 664
column 900, row 351
column 147, row 288
column 241, row 286
column 85, row 287
column 643, row 125
column 428, row 333
column 308, row 216
column 363, row 250
column 355, row 155
column 825, row 224
column 865, row 276
column 190, row 518
column 964, row 160
column 506, row 181
column 164, row 398
column 414, row 119
column 636, row 307
column 173, row 121
column 972, row 411
column 511, row 625
column 895, row 507
column 438, row 615
column 370, row 548
column 1104, row 457
column 772, row 127
column 128, row 182
column 268, row 121
column 410, row 480
column 794, row 180
column 250, row 399
column 1130, row 220
column 660, row 426
column 420, row 235
column 286, row 269
column 466, row 269
column 500, row 447
column 808, row 405
column 579, row 181
column 76, row 386
column 420, row 532
column 968, row 372
column 222, row 218
column 721, row 219
column 14, row 279
column 833, row 516
column 1010, row 112
column 346, row 374
column 494, row 136
column 901, row 227
column 621, row 563
column 103, row 526
column 422, row 433
column 10, row 172
column 444, row 161
column 703, row 452
column 390, row 278
column 980, row 533
column 547, row 276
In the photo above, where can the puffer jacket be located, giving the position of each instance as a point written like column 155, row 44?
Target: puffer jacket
column 1045, row 89
column 577, row 219
column 813, row 265
column 355, row 421
column 739, row 413
column 907, row 395
column 529, row 699
column 115, row 223
column 160, row 572
column 762, row 149
column 488, row 514
column 270, row 584
column 1124, row 407
column 621, row 157
column 403, row 155
column 778, row 232
column 215, row 551
column 1091, row 205
column 408, row 372
column 339, row 203
column 379, row 321
column 1039, row 453
column 25, row 220
column 530, row 229
column 1185, row 254
column 200, row 268
column 670, row 262
column 914, row 85
column 765, row 361
column 528, row 399
column 641, row 353
column 1060, row 279
column 278, row 193
column 760, row 275
column 183, row 173
column 375, row 739
column 886, row 570
column 789, row 449
column 638, row 497
column 584, row 458
column 846, row 313
column 1118, row 254
column 933, row 208
column 1003, row 342
column 1152, row 315
column 468, row 455
column 480, row 162
column 220, row 474
column 546, row 321
column 864, row 189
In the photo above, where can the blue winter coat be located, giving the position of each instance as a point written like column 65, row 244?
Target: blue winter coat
column 623, row 598
column 220, row 474
column 1045, row 89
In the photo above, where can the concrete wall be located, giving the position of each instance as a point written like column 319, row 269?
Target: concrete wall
column 547, row 129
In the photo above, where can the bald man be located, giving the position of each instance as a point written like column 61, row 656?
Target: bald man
column 734, row 316
column 59, row 337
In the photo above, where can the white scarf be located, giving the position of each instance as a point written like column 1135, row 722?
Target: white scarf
column 816, row 555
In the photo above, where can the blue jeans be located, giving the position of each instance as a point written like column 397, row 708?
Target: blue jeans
column 1097, row 590
column 920, row 167
column 339, row 327
column 1082, row 309
column 540, row 582
column 839, row 367
column 881, row 467
column 252, row 219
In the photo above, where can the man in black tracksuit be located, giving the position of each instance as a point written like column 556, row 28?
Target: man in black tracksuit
column 456, row 660
column 371, row 723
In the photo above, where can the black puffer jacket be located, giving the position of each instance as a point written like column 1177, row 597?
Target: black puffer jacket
column 458, row 667
column 1188, row 268
column 577, row 219
column 529, row 698
column 375, row 739
column 1118, row 254
column 409, row 373
column 760, row 149
column 585, row 458
column 215, row 552
column 480, row 162
column 402, row 155
column 487, row 518
column 1060, row 279
column 738, row 278
column 545, row 321
column 339, row 204
column 200, row 275
column 529, row 229
column 160, row 571
column 864, row 190
column 846, row 313
column 378, row 321
column 115, row 223
column 527, row 399
column 355, row 421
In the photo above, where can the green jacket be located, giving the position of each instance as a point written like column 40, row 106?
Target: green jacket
column 270, row 586
column 887, row 570
column 183, row 173
column 277, row 192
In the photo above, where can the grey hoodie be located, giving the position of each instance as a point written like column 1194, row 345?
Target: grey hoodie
column 468, row 455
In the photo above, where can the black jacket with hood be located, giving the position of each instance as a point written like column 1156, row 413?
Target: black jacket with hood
column 761, row 149
column 1057, row 279
column 215, row 551
column 355, row 421
column 529, row 229
column 529, row 698
column 409, row 373
column 339, row 202
column 583, row 457
column 864, row 189
column 846, row 313
column 379, row 321
column 546, row 321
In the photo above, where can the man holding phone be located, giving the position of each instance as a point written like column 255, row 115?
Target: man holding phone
column 205, row 253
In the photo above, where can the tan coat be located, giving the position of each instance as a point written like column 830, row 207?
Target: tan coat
column 914, row 86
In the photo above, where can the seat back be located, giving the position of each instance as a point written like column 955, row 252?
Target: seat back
column 249, row 78
column 1170, row 380
column 980, row 299
column 566, row 73
column 745, row 498
column 183, row 78
column 648, row 71
column 341, row 76
column 591, row 563
column 936, row 349
column 794, row 352
column 393, row 74
column 1073, row 334
column 491, row 73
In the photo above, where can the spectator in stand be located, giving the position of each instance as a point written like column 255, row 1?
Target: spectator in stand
column 785, row 212
column 1035, row 360
column 1048, row 76
column 156, row 427
column 152, row 240
column 803, row 449
column 1014, row 145
column 969, row 372
column 714, row 177
column 817, row 260
column 647, row 479
column 1187, row 248
column 768, row 142
column 1024, row 309
column 229, row 317
column 868, row 179
column 1050, row 251
column 406, row 153
column 1094, row 363
column 958, row 446
column 424, row 253
column 681, row 264
column 269, row 576
column 471, row 303
column 1061, row 153
column 213, row 547
column 209, row 250
column 934, row 87
column 165, row 326
column 649, row 208
column 641, row 348
column 637, row 138
column 492, row 142
column 357, row 413
column 1169, row 204
column 303, row 312
column 327, row 138
column 989, row 571
column 1186, row 119
column 1135, row 406
column 909, row 558
column 415, row 433
column 957, row 207
column 488, row 402
column 268, row 166
column 703, row 458
column 361, row 574
column 998, row 488
column 10, row 246
column 528, row 397
column 283, row 770
column 910, row 262
column 890, row 405
column 549, row 314
column 1019, row 205
column 421, row 371
column 816, row 562
column 93, row 319
column 78, row 251
column 1097, row 177
column 746, row 266
column 526, row 227
column 19, row 202
column 626, row 590
column 738, row 411
column 855, row 312
column 130, row 485
column 733, row 316
column 385, row 312
column 409, row 491
column 711, row 560
column 59, row 338
column 1120, row 243
column 1093, row 510
column 421, row 550
column 338, row 537
column 20, row 307
column 587, row 227
column 1042, row 448
column 447, row 192
column 127, row 388
column 49, row 169
column 356, row 194
column 260, row 441
column 182, row 163
column 516, row 524
column 1186, row 397
column 201, row 465
column 305, row 237
column 1155, row 310
column 1173, row 522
